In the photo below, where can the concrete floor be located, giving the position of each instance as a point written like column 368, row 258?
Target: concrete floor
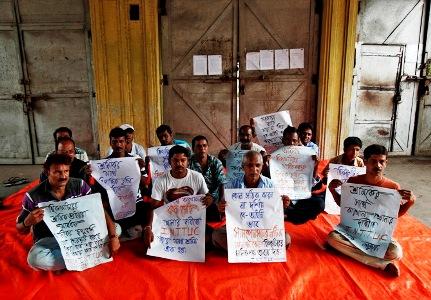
column 413, row 173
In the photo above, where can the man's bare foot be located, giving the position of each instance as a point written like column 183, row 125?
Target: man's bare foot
column 392, row 269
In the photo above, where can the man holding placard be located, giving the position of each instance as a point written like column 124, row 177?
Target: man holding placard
column 45, row 253
column 252, row 165
column 132, row 222
column 375, row 162
column 351, row 147
column 293, row 168
column 180, row 181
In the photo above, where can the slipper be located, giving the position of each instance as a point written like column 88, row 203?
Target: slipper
column 15, row 181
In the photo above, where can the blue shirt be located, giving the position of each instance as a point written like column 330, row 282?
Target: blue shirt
column 213, row 174
column 181, row 143
column 238, row 183
column 314, row 147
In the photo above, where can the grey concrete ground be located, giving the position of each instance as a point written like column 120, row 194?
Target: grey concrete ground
column 413, row 173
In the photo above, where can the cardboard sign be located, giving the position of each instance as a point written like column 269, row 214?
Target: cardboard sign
column 79, row 226
column 269, row 129
column 341, row 172
column 179, row 230
column 368, row 216
column 159, row 159
column 234, row 164
column 292, row 171
column 255, row 226
column 120, row 178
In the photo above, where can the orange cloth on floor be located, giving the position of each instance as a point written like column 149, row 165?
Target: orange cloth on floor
column 311, row 272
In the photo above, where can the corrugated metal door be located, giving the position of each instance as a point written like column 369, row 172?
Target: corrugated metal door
column 388, row 55
column 208, row 104
column 15, row 145
column 279, row 24
column 56, row 67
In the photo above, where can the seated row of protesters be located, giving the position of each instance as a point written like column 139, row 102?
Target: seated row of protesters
column 199, row 173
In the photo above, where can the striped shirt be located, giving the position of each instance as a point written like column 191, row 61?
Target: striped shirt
column 42, row 193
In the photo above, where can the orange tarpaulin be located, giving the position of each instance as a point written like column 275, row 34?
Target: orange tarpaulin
column 311, row 272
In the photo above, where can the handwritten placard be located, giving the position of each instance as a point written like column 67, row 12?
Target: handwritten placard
column 341, row 172
column 120, row 178
column 292, row 171
column 368, row 216
column 269, row 129
column 255, row 226
column 159, row 159
column 179, row 230
column 79, row 227
column 234, row 164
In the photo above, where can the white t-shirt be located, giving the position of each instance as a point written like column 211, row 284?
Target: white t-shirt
column 254, row 147
column 169, row 188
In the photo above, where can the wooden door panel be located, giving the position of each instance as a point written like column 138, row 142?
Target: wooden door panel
column 269, row 25
column 195, row 105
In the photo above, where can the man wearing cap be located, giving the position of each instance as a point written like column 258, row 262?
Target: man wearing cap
column 132, row 148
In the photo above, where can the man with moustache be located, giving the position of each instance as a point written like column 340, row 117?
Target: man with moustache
column 180, row 181
column 245, row 136
column 45, row 253
column 131, row 226
column 375, row 159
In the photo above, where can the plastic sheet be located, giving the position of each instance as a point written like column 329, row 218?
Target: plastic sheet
column 311, row 272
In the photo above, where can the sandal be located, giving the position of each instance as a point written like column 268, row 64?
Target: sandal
column 15, row 181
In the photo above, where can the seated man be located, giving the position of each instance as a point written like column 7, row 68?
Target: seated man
column 131, row 226
column 165, row 135
column 45, row 253
column 301, row 211
column 305, row 131
column 245, row 136
column 350, row 157
column 252, row 163
column 131, row 147
column 375, row 162
column 78, row 168
column 212, row 170
column 180, row 181
column 291, row 137
column 62, row 132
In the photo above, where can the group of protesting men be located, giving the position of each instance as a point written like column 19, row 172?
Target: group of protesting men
column 67, row 175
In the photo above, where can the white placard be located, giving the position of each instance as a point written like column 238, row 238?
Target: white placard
column 281, row 59
column 341, row 172
column 266, row 59
column 297, row 58
column 269, row 129
column 200, row 65
column 159, row 159
column 120, row 177
column 79, row 226
column 292, row 171
column 179, row 230
column 215, row 66
column 255, row 226
column 252, row 61
column 368, row 216
column 234, row 164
